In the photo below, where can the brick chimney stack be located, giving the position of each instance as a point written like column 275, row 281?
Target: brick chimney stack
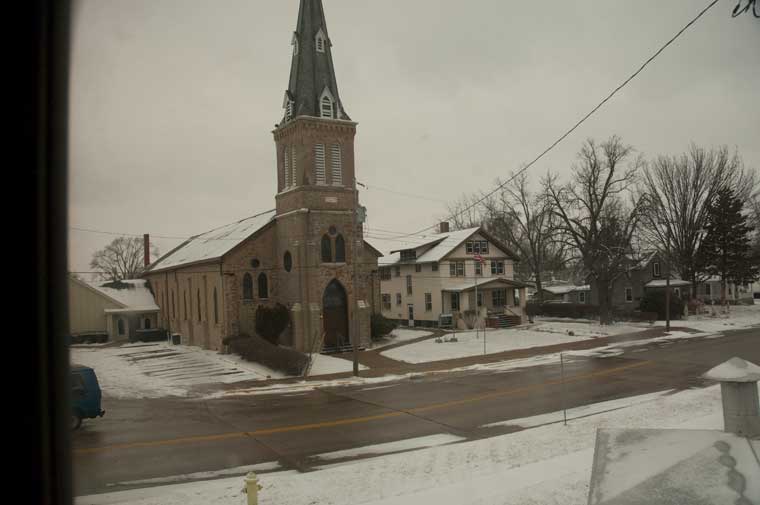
column 146, row 249
column 444, row 227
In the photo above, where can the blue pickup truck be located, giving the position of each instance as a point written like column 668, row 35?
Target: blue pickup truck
column 85, row 395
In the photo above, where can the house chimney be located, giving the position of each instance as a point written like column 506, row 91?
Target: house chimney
column 444, row 227
column 146, row 249
column 738, row 388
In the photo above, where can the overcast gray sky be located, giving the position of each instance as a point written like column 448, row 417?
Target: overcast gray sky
column 173, row 101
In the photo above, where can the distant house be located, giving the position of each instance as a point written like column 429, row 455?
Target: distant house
column 567, row 293
column 111, row 310
column 709, row 291
column 438, row 280
column 644, row 274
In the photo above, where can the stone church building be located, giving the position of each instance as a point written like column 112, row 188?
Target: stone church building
column 302, row 254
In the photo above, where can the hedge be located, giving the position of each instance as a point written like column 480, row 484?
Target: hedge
column 570, row 310
column 654, row 301
column 585, row 311
column 380, row 326
column 272, row 321
column 259, row 350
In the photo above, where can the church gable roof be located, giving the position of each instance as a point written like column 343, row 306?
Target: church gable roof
column 213, row 244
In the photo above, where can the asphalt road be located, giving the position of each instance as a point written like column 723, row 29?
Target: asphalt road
column 153, row 439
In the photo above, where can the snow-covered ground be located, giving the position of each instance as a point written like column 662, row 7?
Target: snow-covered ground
column 158, row 370
column 400, row 335
column 738, row 317
column 470, row 343
column 548, row 464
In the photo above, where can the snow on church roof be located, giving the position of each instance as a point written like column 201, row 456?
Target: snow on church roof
column 213, row 244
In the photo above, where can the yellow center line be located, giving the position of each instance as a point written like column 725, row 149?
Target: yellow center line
column 358, row 420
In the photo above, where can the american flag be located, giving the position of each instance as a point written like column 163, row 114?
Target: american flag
column 478, row 258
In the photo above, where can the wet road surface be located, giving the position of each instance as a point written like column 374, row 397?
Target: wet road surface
column 156, row 438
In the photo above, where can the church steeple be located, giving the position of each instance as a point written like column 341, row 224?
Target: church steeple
column 313, row 89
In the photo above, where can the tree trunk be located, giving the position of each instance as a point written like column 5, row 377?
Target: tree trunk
column 539, row 288
column 603, row 288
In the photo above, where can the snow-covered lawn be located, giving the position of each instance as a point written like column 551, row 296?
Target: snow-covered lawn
column 738, row 317
column 470, row 343
column 548, row 464
column 400, row 335
column 158, row 370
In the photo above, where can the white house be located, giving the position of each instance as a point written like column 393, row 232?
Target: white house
column 436, row 281
column 112, row 311
column 710, row 291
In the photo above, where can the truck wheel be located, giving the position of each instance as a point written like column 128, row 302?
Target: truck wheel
column 76, row 420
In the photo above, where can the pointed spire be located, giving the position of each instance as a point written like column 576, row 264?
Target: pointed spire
column 313, row 89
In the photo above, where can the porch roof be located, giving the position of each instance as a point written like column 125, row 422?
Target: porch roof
column 661, row 283
column 491, row 284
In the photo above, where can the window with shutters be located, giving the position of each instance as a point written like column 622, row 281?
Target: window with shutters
column 319, row 164
column 293, row 168
column 497, row 268
column 336, row 163
column 408, row 284
column 478, row 268
column 428, row 302
column 287, row 167
column 386, row 302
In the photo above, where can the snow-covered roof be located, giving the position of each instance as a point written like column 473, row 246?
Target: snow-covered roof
column 487, row 284
column 133, row 295
column 437, row 246
column 213, row 244
column 661, row 283
column 734, row 370
column 563, row 290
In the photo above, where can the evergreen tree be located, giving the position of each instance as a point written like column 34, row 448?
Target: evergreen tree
column 726, row 251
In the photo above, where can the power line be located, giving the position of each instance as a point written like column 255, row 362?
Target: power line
column 571, row 130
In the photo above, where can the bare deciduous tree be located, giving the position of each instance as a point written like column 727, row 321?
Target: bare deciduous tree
column 677, row 193
column 121, row 259
column 525, row 222
column 593, row 215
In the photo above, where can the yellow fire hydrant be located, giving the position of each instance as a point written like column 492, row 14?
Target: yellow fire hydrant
column 252, row 488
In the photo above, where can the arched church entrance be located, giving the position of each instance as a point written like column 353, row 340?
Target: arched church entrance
column 335, row 316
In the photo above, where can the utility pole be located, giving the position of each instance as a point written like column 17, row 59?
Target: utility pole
column 354, row 304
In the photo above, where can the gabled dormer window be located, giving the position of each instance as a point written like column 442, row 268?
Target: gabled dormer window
column 288, row 104
column 294, row 43
column 321, row 41
column 656, row 270
column 327, row 105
